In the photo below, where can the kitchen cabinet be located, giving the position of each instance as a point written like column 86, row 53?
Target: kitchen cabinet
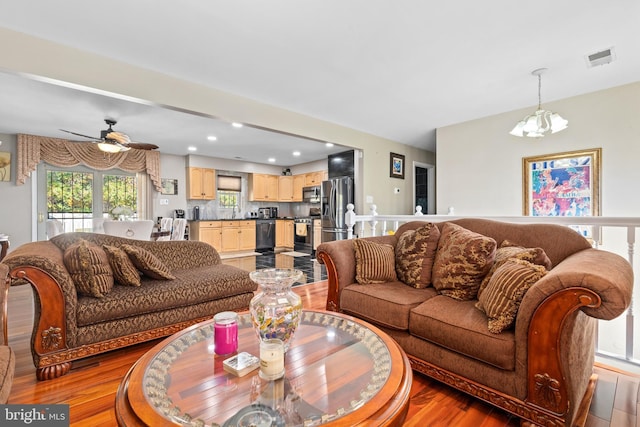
column 201, row 183
column 207, row 231
column 285, row 188
column 313, row 178
column 298, row 185
column 284, row 233
column 317, row 233
column 263, row 187
column 238, row 236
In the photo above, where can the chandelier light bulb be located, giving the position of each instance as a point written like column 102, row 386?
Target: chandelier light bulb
column 536, row 125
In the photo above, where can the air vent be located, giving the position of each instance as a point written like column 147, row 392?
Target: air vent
column 600, row 58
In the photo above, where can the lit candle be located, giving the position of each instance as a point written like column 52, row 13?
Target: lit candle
column 271, row 359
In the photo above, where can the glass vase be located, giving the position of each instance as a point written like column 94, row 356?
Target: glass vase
column 276, row 309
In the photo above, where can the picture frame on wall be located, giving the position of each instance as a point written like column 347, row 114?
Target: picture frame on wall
column 169, row 186
column 396, row 165
column 5, row 166
column 562, row 184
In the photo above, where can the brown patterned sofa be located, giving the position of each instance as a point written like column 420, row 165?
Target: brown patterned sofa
column 7, row 356
column 541, row 367
column 70, row 325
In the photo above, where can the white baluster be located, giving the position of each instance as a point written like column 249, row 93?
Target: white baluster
column 350, row 220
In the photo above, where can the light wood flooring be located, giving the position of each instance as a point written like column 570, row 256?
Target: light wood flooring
column 91, row 385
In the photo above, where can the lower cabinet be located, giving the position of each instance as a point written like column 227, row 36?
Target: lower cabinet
column 238, row 236
column 284, row 233
column 225, row 236
column 317, row 233
column 207, row 231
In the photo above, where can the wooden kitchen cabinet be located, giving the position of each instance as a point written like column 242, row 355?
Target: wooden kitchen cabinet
column 313, row 178
column 201, row 183
column 238, row 236
column 263, row 187
column 285, row 188
column 207, row 231
column 298, row 185
column 317, row 233
column 284, row 233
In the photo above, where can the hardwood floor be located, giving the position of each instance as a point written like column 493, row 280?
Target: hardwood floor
column 91, row 385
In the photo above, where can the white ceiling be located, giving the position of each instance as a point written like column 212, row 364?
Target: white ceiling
column 396, row 69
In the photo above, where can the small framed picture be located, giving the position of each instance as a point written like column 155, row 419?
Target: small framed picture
column 396, row 166
column 5, row 166
column 169, row 186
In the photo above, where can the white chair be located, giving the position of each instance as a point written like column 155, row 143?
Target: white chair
column 54, row 227
column 179, row 225
column 165, row 225
column 138, row 230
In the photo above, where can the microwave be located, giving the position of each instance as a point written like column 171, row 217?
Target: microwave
column 311, row 194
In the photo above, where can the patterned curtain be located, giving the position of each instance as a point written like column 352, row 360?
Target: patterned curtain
column 34, row 149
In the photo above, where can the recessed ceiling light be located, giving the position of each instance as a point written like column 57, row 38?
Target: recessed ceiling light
column 296, row 153
column 212, row 138
column 328, row 144
column 192, row 148
column 272, row 160
column 236, row 125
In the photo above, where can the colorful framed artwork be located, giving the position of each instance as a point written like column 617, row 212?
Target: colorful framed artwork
column 5, row 166
column 562, row 184
column 169, row 186
column 396, row 166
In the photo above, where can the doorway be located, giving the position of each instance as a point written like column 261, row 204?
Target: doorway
column 424, row 187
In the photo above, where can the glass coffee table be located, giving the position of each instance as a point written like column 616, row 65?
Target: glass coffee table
column 339, row 371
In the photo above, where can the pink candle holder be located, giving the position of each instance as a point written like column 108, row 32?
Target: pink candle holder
column 225, row 332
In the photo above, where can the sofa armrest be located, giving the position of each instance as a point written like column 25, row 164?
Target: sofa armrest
column 555, row 315
column 340, row 260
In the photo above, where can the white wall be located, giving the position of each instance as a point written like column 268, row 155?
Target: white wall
column 479, row 164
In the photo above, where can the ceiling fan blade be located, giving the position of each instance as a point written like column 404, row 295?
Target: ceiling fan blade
column 79, row 134
column 142, row 146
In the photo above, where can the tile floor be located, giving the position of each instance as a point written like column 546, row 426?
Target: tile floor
column 312, row 270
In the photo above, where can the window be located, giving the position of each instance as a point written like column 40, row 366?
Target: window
column 229, row 188
column 74, row 198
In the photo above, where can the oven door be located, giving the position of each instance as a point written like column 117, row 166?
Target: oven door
column 303, row 237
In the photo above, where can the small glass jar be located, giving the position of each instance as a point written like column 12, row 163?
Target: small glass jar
column 225, row 332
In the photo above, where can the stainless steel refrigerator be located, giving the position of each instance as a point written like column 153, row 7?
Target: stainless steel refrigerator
column 335, row 194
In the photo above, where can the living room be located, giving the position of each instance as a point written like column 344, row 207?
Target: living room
column 478, row 164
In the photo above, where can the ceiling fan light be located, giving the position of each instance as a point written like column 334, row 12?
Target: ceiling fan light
column 109, row 147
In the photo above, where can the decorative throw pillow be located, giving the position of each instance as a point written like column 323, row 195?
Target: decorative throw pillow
column 462, row 260
column 507, row 287
column 89, row 268
column 148, row 263
column 509, row 250
column 375, row 262
column 124, row 272
column 415, row 252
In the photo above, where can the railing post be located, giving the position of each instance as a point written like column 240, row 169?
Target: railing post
column 418, row 211
column 373, row 223
column 631, row 240
column 350, row 220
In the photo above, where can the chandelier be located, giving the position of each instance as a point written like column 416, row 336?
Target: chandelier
column 542, row 121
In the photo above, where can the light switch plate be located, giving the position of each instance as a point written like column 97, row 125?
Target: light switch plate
column 164, row 201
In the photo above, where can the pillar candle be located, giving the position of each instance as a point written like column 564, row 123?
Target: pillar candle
column 271, row 359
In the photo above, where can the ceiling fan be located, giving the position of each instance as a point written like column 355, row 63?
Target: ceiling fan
column 114, row 142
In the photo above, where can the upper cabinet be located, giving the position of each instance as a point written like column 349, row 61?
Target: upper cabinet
column 201, row 183
column 263, row 187
column 313, row 178
column 282, row 188
column 285, row 188
column 298, row 184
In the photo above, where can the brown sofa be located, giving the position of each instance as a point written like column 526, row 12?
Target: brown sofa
column 540, row 369
column 69, row 325
column 7, row 357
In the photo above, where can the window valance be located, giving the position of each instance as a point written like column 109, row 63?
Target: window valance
column 33, row 149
